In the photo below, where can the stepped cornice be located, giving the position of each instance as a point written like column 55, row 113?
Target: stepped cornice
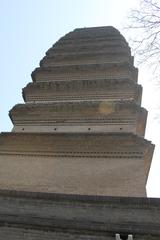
column 89, row 49
column 110, row 90
column 66, row 142
column 63, row 159
column 109, row 70
column 87, row 67
column 83, row 105
column 107, row 32
column 83, row 145
column 85, row 43
column 85, row 53
column 80, row 116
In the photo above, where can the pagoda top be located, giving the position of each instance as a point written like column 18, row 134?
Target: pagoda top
column 102, row 31
column 108, row 29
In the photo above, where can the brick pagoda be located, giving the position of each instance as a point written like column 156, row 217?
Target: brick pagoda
column 76, row 163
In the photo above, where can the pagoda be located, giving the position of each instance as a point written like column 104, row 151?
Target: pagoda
column 81, row 128
column 76, row 163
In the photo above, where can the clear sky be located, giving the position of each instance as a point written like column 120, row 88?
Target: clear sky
column 30, row 27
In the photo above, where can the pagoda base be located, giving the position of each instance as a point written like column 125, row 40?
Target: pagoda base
column 36, row 216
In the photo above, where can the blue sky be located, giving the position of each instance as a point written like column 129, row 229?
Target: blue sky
column 30, row 27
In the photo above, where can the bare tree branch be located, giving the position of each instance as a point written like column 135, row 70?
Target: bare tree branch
column 145, row 22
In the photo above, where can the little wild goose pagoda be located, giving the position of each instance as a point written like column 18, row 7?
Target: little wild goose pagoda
column 76, row 163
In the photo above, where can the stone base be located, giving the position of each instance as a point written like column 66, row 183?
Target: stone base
column 37, row 216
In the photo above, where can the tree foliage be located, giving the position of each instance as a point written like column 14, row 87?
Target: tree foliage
column 145, row 22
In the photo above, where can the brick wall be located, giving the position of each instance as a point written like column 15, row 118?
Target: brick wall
column 30, row 216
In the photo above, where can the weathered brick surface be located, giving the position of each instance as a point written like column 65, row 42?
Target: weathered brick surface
column 84, row 72
column 98, row 116
column 10, row 233
column 112, row 90
column 90, row 151
column 56, row 216
column 73, row 162
column 101, row 164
